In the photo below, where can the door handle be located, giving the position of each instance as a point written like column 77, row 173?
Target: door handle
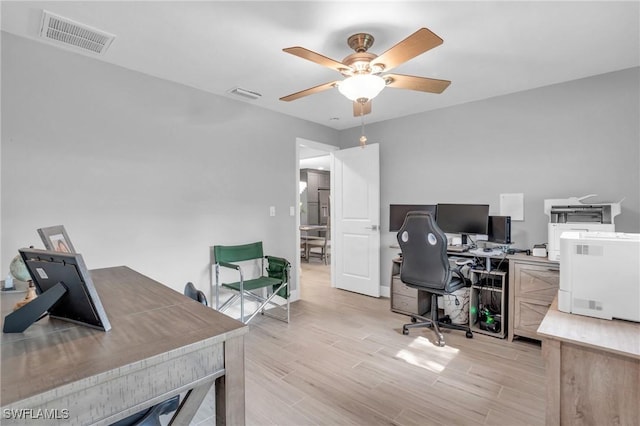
column 372, row 227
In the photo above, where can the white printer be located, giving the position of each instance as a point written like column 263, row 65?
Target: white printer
column 600, row 275
column 571, row 214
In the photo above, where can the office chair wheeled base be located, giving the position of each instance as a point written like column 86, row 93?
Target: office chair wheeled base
column 424, row 323
column 435, row 323
column 427, row 322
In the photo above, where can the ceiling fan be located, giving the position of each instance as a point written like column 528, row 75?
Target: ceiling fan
column 365, row 72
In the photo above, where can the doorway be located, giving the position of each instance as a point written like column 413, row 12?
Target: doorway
column 313, row 201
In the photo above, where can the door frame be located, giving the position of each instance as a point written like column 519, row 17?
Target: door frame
column 301, row 142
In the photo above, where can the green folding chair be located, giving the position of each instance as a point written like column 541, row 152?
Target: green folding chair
column 272, row 281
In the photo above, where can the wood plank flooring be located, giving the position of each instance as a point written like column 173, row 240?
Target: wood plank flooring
column 344, row 361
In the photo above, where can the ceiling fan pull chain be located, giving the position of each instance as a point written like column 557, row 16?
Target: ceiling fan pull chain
column 363, row 138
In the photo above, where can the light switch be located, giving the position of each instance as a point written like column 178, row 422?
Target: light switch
column 292, row 211
column 272, row 211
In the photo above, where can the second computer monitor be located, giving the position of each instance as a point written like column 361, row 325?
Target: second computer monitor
column 463, row 218
column 398, row 212
column 500, row 229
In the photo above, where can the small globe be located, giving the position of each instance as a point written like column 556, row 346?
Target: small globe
column 18, row 269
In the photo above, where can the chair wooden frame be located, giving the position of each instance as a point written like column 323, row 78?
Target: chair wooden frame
column 275, row 283
column 318, row 242
column 309, row 242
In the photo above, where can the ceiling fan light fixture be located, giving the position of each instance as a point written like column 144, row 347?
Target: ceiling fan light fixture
column 361, row 87
column 376, row 68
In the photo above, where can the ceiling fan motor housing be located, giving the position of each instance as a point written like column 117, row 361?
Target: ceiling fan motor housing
column 359, row 63
column 360, row 42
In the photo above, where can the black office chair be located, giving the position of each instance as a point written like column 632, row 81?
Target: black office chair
column 425, row 266
column 191, row 291
column 151, row 416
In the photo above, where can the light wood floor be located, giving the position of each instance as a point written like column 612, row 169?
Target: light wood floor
column 344, row 361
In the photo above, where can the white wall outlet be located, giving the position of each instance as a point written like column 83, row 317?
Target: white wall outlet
column 292, row 211
column 272, row 211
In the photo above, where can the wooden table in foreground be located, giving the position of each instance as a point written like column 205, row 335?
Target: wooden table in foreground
column 593, row 369
column 161, row 344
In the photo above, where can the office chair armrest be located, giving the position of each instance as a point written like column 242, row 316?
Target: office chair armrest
column 229, row 265
column 458, row 271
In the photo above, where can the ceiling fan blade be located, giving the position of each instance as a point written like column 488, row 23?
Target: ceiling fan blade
column 411, row 82
column 317, row 58
column 310, row 91
column 412, row 46
column 361, row 109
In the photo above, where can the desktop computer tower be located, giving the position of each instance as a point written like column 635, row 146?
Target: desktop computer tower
column 500, row 229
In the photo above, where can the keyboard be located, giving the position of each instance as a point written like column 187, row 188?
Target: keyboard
column 492, row 253
column 457, row 249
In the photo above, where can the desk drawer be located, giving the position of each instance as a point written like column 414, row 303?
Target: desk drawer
column 411, row 305
column 527, row 316
column 536, row 281
column 401, row 288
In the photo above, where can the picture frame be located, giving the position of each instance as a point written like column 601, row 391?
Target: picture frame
column 55, row 238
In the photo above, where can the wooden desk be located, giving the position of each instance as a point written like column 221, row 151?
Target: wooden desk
column 161, row 344
column 532, row 284
column 592, row 368
column 306, row 228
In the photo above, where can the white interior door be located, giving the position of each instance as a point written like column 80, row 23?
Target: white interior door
column 355, row 198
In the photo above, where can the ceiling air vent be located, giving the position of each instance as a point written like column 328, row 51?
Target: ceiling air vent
column 70, row 33
column 249, row 94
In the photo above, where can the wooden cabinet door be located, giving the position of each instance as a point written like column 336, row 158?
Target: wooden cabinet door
column 312, row 186
column 536, row 281
column 534, row 286
column 528, row 315
column 324, row 180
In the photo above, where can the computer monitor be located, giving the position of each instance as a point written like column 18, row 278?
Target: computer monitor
column 463, row 218
column 500, row 229
column 64, row 288
column 398, row 212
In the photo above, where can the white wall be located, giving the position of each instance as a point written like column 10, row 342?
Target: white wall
column 149, row 174
column 570, row 139
column 142, row 172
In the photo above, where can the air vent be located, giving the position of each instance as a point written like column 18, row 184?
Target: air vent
column 70, row 33
column 249, row 94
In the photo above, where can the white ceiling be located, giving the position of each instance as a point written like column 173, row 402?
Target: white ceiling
column 489, row 49
column 313, row 159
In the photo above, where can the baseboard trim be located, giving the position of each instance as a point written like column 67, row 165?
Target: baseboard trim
column 385, row 291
